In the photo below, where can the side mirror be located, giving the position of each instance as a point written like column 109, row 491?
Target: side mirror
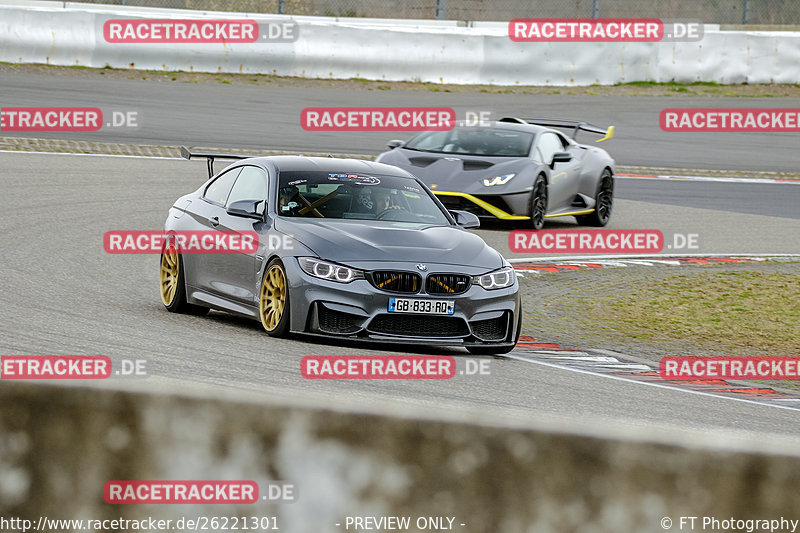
column 246, row 208
column 395, row 144
column 465, row 219
column 561, row 157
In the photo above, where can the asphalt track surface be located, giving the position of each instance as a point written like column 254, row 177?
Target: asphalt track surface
column 64, row 295
column 175, row 113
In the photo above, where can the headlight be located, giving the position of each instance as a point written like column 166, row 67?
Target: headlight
column 499, row 279
column 330, row 271
column 498, row 180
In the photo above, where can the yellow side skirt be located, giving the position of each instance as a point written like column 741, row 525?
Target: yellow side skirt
column 570, row 214
column 499, row 213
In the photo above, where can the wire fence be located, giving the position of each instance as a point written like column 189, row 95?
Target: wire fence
column 753, row 12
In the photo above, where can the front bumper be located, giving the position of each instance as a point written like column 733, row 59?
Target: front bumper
column 359, row 310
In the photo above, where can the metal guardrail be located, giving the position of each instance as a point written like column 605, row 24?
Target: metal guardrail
column 434, row 54
column 764, row 12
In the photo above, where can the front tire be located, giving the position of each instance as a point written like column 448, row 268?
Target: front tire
column 604, row 201
column 274, row 300
column 538, row 204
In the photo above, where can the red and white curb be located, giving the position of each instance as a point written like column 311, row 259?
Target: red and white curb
column 616, row 365
column 537, row 265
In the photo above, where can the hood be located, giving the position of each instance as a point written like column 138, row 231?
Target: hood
column 348, row 241
column 453, row 172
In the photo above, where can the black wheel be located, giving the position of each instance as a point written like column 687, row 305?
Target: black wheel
column 538, row 207
column 274, row 300
column 604, row 201
column 173, row 283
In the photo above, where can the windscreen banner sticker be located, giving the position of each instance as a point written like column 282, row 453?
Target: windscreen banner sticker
column 362, row 180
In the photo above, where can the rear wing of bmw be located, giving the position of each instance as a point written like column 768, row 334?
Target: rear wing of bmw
column 574, row 125
column 210, row 157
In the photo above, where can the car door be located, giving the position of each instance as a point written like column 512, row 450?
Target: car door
column 235, row 274
column 563, row 175
column 205, row 213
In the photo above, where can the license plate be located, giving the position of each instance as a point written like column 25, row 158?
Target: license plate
column 422, row 307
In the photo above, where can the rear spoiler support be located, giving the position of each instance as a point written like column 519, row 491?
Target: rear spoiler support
column 574, row 125
column 210, row 157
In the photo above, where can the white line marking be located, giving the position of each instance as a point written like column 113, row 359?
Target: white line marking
column 643, row 262
column 648, row 383
column 720, row 179
column 91, row 155
column 626, row 366
column 590, row 358
column 558, row 352
column 599, row 258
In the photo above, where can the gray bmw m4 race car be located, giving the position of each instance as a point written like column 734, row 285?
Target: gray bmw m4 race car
column 514, row 169
column 346, row 248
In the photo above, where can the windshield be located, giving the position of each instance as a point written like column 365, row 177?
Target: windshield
column 356, row 196
column 474, row 141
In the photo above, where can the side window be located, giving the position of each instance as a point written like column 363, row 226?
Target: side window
column 251, row 185
column 547, row 146
column 219, row 189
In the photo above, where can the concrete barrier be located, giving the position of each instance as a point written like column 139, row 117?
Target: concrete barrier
column 59, row 446
column 429, row 51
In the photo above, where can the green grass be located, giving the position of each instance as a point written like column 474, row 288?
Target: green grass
column 740, row 309
column 670, row 84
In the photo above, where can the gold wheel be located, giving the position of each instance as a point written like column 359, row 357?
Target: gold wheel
column 273, row 297
column 170, row 270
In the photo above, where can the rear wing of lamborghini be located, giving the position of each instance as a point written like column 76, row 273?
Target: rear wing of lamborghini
column 574, row 125
column 210, row 157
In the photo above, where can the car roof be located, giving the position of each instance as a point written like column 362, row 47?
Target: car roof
column 495, row 125
column 290, row 163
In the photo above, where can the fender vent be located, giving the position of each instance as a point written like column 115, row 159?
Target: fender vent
column 422, row 161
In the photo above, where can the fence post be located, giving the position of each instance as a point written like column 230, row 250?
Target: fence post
column 440, row 9
column 745, row 11
column 596, row 8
